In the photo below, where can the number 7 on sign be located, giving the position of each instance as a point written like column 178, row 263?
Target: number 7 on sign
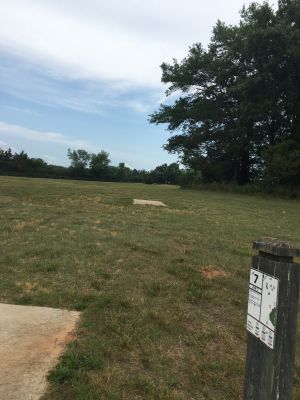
column 256, row 278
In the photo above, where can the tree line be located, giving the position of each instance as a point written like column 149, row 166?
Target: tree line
column 236, row 114
column 90, row 166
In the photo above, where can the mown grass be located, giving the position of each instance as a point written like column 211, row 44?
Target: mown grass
column 152, row 326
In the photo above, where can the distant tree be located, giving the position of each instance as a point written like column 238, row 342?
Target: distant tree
column 6, row 158
column 123, row 173
column 190, row 177
column 158, row 174
column 79, row 160
column 20, row 162
column 99, row 164
column 165, row 174
column 84, row 165
column 37, row 163
column 138, row 175
column 173, row 173
column 6, row 155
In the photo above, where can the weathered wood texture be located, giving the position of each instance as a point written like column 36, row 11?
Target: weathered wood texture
column 269, row 373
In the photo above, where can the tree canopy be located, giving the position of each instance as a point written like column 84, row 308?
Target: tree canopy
column 236, row 116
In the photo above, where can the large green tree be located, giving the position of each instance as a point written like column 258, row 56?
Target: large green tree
column 239, row 98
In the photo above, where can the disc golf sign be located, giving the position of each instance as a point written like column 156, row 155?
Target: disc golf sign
column 262, row 307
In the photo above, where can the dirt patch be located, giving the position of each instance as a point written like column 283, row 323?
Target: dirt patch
column 149, row 202
column 31, row 340
column 211, row 272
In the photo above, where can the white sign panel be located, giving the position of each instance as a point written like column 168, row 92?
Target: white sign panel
column 262, row 306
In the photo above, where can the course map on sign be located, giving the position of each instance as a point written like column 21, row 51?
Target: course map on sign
column 262, row 306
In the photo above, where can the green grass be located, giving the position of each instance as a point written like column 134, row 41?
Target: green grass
column 152, row 326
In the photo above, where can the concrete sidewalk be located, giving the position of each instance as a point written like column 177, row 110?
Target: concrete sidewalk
column 31, row 339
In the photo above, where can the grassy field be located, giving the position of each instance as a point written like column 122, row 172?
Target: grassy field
column 152, row 327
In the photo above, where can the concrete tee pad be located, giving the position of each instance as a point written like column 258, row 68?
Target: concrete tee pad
column 31, row 339
column 149, row 202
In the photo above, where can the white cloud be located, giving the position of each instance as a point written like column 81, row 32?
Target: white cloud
column 93, row 55
column 16, row 131
column 121, row 41
column 30, row 84
column 73, row 47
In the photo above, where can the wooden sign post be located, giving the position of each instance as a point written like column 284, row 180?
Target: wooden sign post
column 272, row 321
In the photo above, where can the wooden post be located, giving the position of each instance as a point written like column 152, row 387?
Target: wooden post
column 269, row 372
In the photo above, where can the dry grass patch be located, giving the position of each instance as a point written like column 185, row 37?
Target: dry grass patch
column 20, row 225
column 212, row 272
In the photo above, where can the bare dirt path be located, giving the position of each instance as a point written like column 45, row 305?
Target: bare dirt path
column 31, row 339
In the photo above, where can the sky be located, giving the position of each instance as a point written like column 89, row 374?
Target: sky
column 86, row 73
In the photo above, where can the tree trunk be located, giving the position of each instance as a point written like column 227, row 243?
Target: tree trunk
column 243, row 175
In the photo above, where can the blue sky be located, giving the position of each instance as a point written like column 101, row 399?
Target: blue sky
column 85, row 74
